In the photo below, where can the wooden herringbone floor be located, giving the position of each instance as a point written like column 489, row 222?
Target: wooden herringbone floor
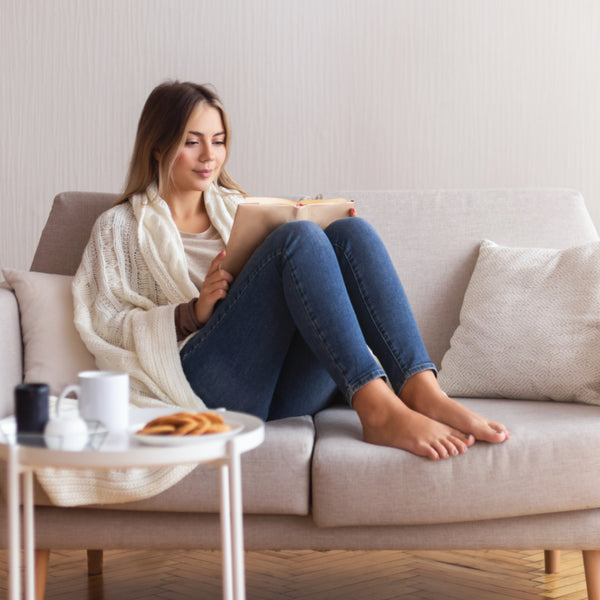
column 304, row 575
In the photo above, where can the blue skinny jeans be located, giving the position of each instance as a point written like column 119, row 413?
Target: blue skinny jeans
column 300, row 321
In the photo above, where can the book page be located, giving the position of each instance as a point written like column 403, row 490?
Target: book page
column 265, row 200
column 254, row 221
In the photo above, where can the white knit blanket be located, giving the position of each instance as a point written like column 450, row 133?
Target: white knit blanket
column 132, row 275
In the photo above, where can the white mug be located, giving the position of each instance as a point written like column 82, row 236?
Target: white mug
column 103, row 396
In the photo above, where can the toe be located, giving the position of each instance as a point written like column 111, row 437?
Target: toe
column 431, row 451
column 462, row 446
column 494, row 433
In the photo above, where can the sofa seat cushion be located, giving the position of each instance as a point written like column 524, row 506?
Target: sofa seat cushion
column 539, row 470
column 275, row 477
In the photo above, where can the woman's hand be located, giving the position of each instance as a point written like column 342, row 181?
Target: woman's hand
column 213, row 289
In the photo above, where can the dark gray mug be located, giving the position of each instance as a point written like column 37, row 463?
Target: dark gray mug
column 31, row 407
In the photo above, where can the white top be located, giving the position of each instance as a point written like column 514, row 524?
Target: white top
column 200, row 250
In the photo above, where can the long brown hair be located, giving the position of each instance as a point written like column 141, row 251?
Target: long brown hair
column 161, row 133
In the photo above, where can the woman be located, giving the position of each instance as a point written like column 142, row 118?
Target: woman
column 293, row 330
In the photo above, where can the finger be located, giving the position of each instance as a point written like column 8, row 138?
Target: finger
column 215, row 265
column 206, row 302
column 215, row 295
column 215, row 285
column 218, row 274
column 219, row 278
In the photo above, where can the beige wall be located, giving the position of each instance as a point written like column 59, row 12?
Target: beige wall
column 323, row 94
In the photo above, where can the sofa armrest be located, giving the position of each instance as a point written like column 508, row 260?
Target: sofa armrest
column 11, row 349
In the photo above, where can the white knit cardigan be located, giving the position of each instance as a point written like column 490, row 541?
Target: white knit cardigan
column 132, row 276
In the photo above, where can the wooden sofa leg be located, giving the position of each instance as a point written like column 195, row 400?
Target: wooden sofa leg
column 552, row 561
column 41, row 557
column 95, row 560
column 591, row 565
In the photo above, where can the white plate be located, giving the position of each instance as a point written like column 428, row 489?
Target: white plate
column 185, row 440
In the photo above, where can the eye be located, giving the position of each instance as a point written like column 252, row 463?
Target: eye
column 191, row 143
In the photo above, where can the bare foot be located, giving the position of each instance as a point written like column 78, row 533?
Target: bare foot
column 387, row 421
column 423, row 394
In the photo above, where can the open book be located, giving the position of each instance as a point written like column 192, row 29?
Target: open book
column 256, row 218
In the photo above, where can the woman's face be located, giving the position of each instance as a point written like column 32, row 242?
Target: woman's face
column 203, row 154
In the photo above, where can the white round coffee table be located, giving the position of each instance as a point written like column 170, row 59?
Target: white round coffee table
column 126, row 451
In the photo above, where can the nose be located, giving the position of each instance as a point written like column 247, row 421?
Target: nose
column 206, row 152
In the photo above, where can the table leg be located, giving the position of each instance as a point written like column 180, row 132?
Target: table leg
column 226, row 553
column 237, row 525
column 28, row 542
column 14, row 518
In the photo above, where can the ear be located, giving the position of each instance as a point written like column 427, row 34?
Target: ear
column 156, row 155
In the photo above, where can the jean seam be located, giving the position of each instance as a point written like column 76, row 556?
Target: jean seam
column 362, row 380
column 425, row 366
column 317, row 331
column 370, row 311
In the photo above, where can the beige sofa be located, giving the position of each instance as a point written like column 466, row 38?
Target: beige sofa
column 314, row 484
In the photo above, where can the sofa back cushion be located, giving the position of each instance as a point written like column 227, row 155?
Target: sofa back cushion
column 432, row 235
column 67, row 231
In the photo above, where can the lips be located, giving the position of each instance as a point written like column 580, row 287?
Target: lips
column 205, row 173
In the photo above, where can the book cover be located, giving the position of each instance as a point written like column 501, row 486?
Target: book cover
column 257, row 217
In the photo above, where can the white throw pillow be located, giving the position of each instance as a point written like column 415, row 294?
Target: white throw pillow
column 53, row 350
column 529, row 326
